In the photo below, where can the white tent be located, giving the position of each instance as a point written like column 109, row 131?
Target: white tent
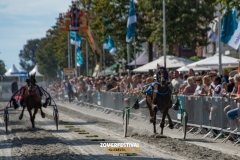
column 171, row 62
column 12, row 72
column 186, row 68
column 35, row 70
column 213, row 62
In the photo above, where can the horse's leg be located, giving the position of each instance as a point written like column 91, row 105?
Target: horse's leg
column 42, row 113
column 150, row 110
column 34, row 114
column 154, row 122
column 163, row 122
column 31, row 117
column 170, row 121
column 21, row 115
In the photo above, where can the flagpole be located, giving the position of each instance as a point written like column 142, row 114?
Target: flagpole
column 68, row 50
column 128, row 57
column 164, row 33
column 219, row 42
column 76, row 53
column 104, row 60
column 135, row 52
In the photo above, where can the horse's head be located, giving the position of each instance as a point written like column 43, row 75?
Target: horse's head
column 31, row 82
column 161, row 75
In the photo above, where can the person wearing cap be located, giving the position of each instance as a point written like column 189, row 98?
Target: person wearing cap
column 74, row 15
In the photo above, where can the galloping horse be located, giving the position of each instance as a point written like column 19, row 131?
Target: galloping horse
column 31, row 98
column 160, row 99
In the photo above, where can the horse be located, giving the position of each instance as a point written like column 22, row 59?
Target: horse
column 161, row 99
column 31, row 98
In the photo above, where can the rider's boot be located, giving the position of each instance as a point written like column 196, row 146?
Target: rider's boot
column 15, row 103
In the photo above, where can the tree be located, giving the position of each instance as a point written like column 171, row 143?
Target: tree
column 46, row 55
column 230, row 3
column 186, row 22
column 2, row 67
column 27, row 56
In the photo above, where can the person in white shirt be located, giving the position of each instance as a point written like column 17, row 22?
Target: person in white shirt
column 176, row 82
column 217, row 91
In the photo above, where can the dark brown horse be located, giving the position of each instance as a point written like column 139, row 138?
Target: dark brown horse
column 31, row 98
column 161, row 99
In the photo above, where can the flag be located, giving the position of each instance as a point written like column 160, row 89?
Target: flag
column 230, row 33
column 109, row 44
column 212, row 36
column 75, row 36
column 105, row 44
column 132, row 19
column 79, row 57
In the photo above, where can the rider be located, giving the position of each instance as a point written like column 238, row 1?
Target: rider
column 17, row 102
column 148, row 91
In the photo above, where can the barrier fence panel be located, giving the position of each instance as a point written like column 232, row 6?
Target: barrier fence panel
column 216, row 112
column 189, row 106
column 202, row 111
column 197, row 110
column 206, row 102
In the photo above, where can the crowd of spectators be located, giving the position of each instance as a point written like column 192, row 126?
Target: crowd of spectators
column 201, row 84
column 192, row 84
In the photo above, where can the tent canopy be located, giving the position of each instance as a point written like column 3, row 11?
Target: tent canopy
column 171, row 62
column 186, row 68
column 12, row 72
column 213, row 62
column 35, row 70
column 108, row 71
column 141, row 60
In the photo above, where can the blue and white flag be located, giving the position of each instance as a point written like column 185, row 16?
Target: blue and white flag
column 212, row 36
column 80, row 60
column 132, row 19
column 109, row 44
column 75, row 39
column 230, row 33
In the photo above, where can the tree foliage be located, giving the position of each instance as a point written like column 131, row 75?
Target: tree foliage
column 230, row 3
column 2, row 67
column 27, row 55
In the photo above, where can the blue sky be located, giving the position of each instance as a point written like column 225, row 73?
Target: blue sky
column 21, row 20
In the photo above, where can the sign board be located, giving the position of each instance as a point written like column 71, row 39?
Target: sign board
column 69, row 71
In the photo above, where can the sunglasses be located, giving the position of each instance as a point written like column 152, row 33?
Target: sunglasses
column 198, row 80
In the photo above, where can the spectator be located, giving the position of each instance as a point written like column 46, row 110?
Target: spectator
column 181, row 88
column 216, row 92
column 225, row 76
column 190, row 88
column 199, row 91
column 230, row 85
column 191, row 72
column 212, row 75
column 14, row 86
column 207, row 84
column 69, row 89
column 185, row 77
column 176, row 82
column 109, row 85
column 233, row 114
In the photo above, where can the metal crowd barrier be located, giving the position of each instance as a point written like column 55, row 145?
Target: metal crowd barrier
column 203, row 112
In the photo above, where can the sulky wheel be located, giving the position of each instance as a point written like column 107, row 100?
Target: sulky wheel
column 125, row 122
column 184, row 124
column 6, row 118
column 55, row 116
